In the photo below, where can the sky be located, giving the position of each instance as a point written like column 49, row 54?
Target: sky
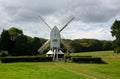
column 93, row 18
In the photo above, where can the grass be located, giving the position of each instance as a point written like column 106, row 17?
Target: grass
column 111, row 70
column 62, row 70
column 48, row 70
column 97, row 53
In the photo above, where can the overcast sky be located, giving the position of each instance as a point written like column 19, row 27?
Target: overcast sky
column 93, row 18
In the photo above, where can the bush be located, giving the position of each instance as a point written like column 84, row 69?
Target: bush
column 86, row 60
column 25, row 59
column 117, row 50
column 3, row 53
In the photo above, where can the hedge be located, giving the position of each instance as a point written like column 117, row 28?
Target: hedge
column 86, row 60
column 76, row 56
column 25, row 59
column 68, row 58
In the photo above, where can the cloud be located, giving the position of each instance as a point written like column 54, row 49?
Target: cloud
column 93, row 18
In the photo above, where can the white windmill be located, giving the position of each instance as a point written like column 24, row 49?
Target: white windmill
column 54, row 41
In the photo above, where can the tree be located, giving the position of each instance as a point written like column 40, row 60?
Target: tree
column 94, row 45
column 115, row 30
column 5, row 41
column 14, row 32
column 16, row 43
column 107, row 45
column 76, row 46
column 36, row 44
column 21, row 46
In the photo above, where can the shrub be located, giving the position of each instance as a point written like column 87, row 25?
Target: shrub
column 86, row 60
column 25, row 59
column 3, row 53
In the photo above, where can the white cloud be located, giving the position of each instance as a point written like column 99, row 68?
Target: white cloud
column 93, row 17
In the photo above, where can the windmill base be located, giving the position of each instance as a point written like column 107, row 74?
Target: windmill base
column 56, row 57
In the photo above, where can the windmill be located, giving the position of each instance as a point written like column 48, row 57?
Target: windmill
column 54, row 41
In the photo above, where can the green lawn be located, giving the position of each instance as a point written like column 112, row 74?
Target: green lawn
column 62, row 70
column 97, row 53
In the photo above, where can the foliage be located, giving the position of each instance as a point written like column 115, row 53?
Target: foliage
column 95, row 45
column 22, row 46
column 35, row 44
column 76, row 46
column 84, row 45
column 17, row 44
column 3, row 53
column 107, row 45
column 14, row 32
column 115, row 30
column 5, row 41
column 25, row 45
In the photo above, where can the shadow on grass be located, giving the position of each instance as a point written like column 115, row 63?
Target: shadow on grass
column 103, row 62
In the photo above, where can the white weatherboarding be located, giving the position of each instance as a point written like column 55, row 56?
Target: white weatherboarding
column 54, row 42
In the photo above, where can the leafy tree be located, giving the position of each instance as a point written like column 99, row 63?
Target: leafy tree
column 94, row 45
column 115, row 30
column 14, row 32
column 16, row 43
column 22, row 46
column 107, row 45
column 5, row 42
column 36, row 44
column 76, row 46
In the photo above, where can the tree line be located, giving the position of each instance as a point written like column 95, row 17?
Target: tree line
column 16, row 43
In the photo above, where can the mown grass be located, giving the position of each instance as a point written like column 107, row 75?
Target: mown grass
column 110, row 70
column 96, row 53
column 62, row 70
column 42, row 70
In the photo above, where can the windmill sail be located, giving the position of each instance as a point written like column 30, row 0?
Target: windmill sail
column 67, row 45
column 46, row 44
column 54, row 41
column 44, row 22
column 71, row 18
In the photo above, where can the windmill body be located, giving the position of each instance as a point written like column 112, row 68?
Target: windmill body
column 54, row 41
column 55, row 38
column 55, row 51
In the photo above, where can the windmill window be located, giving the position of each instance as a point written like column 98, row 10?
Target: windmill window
column 55, row 40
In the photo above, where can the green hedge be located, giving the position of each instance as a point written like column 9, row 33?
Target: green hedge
column 86, row 60
column 69, row 57
column 25, row 59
